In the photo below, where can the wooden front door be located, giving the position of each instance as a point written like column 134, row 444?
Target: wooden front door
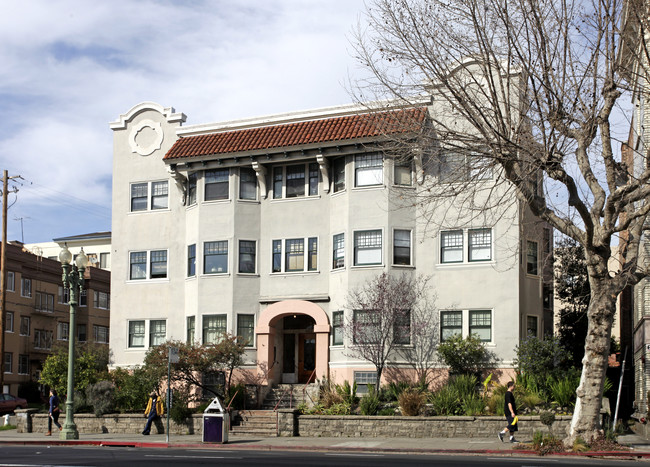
column 306, row 356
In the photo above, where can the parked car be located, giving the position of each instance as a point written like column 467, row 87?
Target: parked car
column 9, row 403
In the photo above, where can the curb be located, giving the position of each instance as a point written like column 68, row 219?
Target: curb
column 268, row 447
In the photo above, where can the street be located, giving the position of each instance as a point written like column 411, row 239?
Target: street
column 60, row 456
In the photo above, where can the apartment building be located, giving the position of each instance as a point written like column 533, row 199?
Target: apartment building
column 96, row 245
column 37, row 313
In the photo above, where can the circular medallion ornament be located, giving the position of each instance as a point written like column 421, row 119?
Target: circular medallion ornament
column 146, row 137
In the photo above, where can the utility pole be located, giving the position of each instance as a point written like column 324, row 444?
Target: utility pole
column 3, row 276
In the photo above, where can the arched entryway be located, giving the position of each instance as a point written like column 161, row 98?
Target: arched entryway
column 293, row 342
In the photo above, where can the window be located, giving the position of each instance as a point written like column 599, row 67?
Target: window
column 214, row 327
column 402, row 247
column 531, row 326
column 9, row 321
column 136, row 333
column 295, row 181
column 25, row 287
column 101, row 334
column 247, row 183
column 246, row 256
column 363, row 379
column 337, row 328
column 24, row 325
column 9, row 356
column 23, row 364
column 11, row 279
column 480, row 323
column 104, row 260
column 246, row 329
column 191, row 329
column 191, row 188
column 338, row 251
column 403, row 172
column 451, row 323
column 367, row 247
column 62, row 331
column 451, row 246
column 157, row 332
column 216, row 184
column 155, row 268
column 64, row 295
column 338, row 174
column 215, row 257
column 402, row 328
column 547, row 296
column 531, row 258
column 460, row 167
column 81, row 333
column 368, row 169
column 42, row 339
column 83, row 298
column 102, row 300
column 140, row 200
column 480, row 244
column 366, row 331
column 295, row 258
column 191, row 260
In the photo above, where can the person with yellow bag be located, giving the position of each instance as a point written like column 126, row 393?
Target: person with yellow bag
column 510, row 411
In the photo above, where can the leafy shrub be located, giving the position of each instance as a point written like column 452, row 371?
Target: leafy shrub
column 466, row 385
column 411, row 402
column 463, row 356
column 101, row 396
column 132, row 388
column 369, row 403
column 338, row 409
column 329, row 396
column 386, row 411
column 547, row 419
column 547, row 443
column 395, row 389
column 563, row 390
column 445, row 401
column 179, row 411
column 472, row 405
column 236, row 397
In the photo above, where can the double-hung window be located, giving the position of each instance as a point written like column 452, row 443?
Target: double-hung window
column 403, row 170
column 480, row 324
column 191, row 188
column 136, row 333
column 158, row 264
column 338, row 174
column 138, row 265
column 24, row 325
column 101, row 334
column 190, row 324
column 247, row 183
column 216, row 184
column 402, row 247
column 141, row 199
column 532, row 327
column 337, row 328
column 81, row 332
column 64, row 295
column 366, row 330
column 63, row 331
column 480, row 244
column 247, row 256
column 246, row 329
column 191, row 260
column 102, row 300
column 451, row 246
column 451, row 324
column 25, row 287
column 338, row 251
column 214, row 327
column 104, row 260
column 157, row 332
column 9, row 321
column 531, row 258
column 402, row 327
column 367, row 247
column 23, row 364
column 296, row 180
column 368, row 169
column 8, row 362
column 215, row 257
column 300, row 254
column 10, row 281
column 148, row 265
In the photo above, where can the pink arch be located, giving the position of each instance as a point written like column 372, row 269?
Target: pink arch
column 291, row 307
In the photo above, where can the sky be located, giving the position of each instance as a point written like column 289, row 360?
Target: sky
column 69, row 67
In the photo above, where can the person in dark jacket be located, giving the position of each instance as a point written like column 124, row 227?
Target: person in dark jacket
column 154, row 409
column 54, row 412
column 510, row 411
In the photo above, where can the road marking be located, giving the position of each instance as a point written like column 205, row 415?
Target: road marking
column 355, row 455
column 191, row 457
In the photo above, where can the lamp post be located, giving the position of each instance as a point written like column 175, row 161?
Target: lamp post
column 73, row 278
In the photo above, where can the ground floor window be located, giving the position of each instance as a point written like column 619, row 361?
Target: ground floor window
column 363, row 379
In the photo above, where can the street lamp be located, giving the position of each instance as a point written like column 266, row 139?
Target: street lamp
column 73, row 278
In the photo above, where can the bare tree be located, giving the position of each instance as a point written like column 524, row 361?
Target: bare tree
column 524, row 94
column 382, row 317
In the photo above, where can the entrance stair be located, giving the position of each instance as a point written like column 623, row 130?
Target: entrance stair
column 286, row 396
column 261, row 423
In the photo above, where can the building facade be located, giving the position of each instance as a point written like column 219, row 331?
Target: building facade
column 96, row 245
column 262, row 227
column 37, row 315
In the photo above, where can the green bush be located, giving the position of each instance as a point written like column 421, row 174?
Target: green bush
column 386, row 411
column 547, row 418
column 101, row 397
column 563, row 390
column 472, row 405
column 445, row 401
column 347, row 392
column 132, row 388
column 236, row 397
column 411, row 402
column 546, row 443
column 369, row 403
column 463, row 356
column 338, row 409
column 466, row 385
column 394, row 389
column 179, row 412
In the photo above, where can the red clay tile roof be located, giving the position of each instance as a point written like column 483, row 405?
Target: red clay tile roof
column 294, row 134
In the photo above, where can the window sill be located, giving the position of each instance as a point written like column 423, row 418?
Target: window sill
column 215, row 274
column 338, row 193
column 466, row 264
column 404, row 266
column 404, row 187
column 247, row 274
column 294, row 273
column 217, row 201
column 369, row 187
column 293, row 200
column 341, row 269
column 147, row 281
column 367, row 266
column 248, row 201
column 148, row 211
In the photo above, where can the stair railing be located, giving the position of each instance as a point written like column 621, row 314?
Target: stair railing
column 304, row 388
column 282, row 397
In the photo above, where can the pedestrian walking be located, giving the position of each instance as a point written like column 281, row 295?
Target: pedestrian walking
column 53, row 412
column 510, row 411
column 154, row 410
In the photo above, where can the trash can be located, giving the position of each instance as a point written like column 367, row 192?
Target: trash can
column 216, row 423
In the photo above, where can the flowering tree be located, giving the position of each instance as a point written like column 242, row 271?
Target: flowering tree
column 382, row 320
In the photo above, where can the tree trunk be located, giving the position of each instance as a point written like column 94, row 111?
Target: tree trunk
column 586, row 416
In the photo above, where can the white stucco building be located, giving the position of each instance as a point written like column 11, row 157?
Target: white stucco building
column 261, row 227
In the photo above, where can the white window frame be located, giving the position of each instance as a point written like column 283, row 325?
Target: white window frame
column 365, row 163
column 306, row 242
column 155, row 335
column 97, row 300
column 217, row 330
column 469, row 323
column 239, row 256
column 149, row 195
column 407, row 164
column 9, row 321
column 380, row 249
column 227, row 255
column 11, row 281
column 25, row 287
column 455, row 312
column 105, row 260
column 447, row 247
column 338, row 261
column 226, row 182
column 98, row 331
column 251, row 342
column 143, row 335
column 147, row 272
column 240, row 194
column 280, row 177
column 481, row 247
column 193, row 330
column 466, row 322
column 363, row 379
column 410, row 247
column 536, row 318
column 62, row 331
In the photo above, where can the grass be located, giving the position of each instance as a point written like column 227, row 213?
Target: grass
column 7, row 427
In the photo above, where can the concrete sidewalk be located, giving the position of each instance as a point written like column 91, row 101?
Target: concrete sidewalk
column 639, row 446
